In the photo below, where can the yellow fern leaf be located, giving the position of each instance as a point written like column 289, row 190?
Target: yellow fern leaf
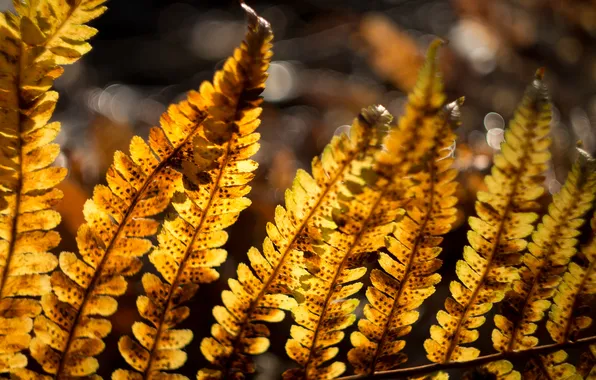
column 408, row 277
column 119, row 218
column 261, row 294
column 410, row 136
column 365, row 219
column 27, row 181
column 566, row 319
column 551, row 366
column 504, row 219
column 189, row 245
column 553, row 245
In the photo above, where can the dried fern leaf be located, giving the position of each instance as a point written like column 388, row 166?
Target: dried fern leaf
column 504, row 219
column 262, row 293
column 120, row 219
column 551, row 366
column 552, row 247
column 408, row 276
column 190, row 244
column 29, row 67
column 365, row 219
column 566, row 317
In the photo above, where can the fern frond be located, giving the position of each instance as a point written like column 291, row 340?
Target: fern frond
column 410, row 136
column 551, row 366
column 27, row 181
column 190, row 245
column 552, row 247
column 566, row 318
column 120, row 217
column 408, row 277
column 504, row 219
column 262, row 293
column 366, row 217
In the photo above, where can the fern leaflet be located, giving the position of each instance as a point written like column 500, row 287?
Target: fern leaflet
column 29, row 67
column 190, row 245
column 262, row 295
column 566, row 318
column 497, row 235
column 553, row 245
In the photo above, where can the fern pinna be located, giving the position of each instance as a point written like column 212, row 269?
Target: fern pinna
column 34, row 42
column 552, row 247
column 262, row 295
column 215, row 185
column 505, row 217
column 120, row 218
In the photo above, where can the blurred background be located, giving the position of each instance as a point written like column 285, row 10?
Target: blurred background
column 332, row 57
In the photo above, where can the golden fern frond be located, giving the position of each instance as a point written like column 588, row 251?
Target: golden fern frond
column 261, row 294
column 408, row 276
column 552, row 247
column 551, row 366
column 119, row 218
column 366, row 217
column 190, row 244
column 27, row 181
column 566, row 318
column 504, row 219
column 410, row 138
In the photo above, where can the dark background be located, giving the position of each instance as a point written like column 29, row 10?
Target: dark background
column 332, row 57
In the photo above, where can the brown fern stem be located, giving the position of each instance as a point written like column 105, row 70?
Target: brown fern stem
column 181, row 267
column 237, row 341
column 508, row 209
column 429, row 368
column 338, row 273
column 125, row 219
column 586, row 278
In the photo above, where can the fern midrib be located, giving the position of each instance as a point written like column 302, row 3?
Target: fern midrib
column 536, row 280
column 187, row 254
column 508, row 208
column 108, row 250
column 408, row 274
column 339, row 271
column 330, row 186
column 582, row 285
